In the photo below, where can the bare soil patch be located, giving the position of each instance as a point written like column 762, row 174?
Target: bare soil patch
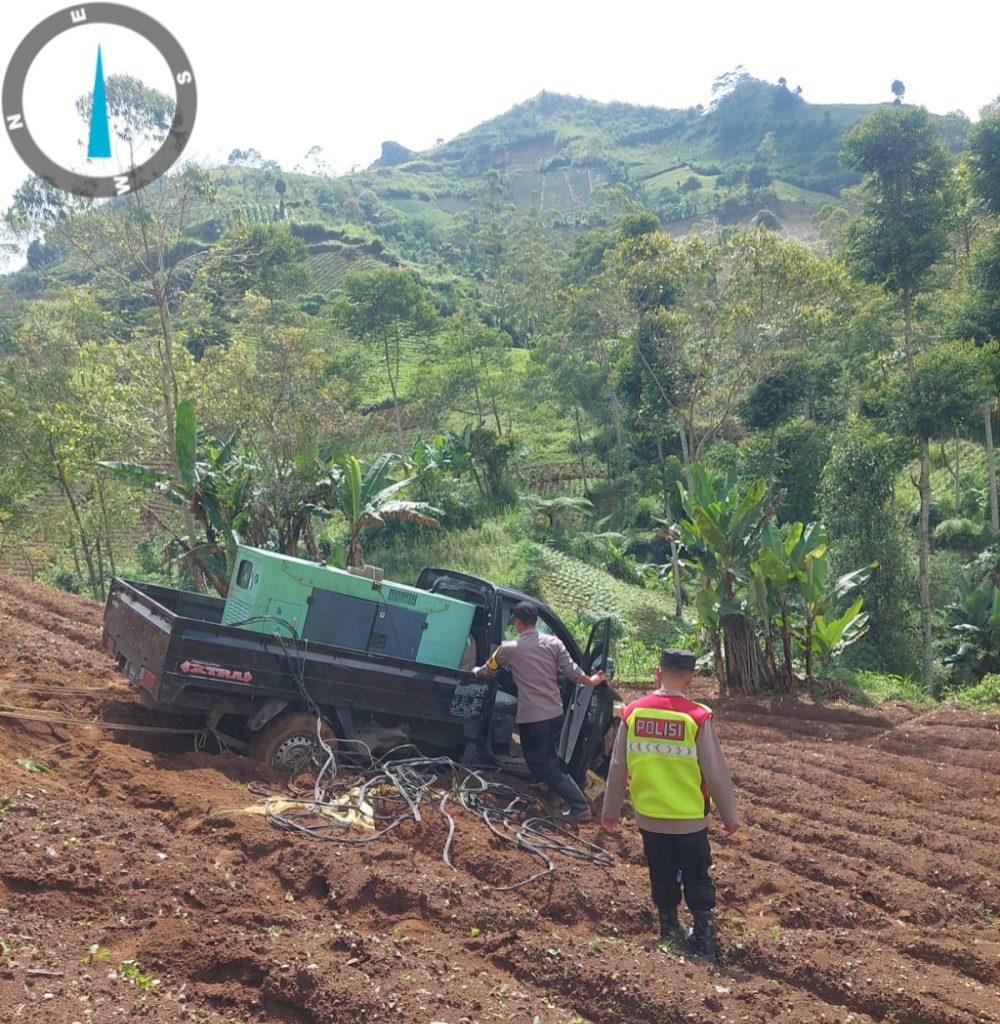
column 865, row 885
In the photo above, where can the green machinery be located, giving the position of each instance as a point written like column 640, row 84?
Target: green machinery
column 331, row 606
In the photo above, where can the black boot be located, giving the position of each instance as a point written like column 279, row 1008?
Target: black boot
column 702, row 939
column 671, row 929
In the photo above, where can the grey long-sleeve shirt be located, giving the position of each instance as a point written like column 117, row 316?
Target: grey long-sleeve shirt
column 714, row 771
column 535, row 661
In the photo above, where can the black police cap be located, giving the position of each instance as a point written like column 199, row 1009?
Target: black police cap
column 526, row 611
column 675, row 657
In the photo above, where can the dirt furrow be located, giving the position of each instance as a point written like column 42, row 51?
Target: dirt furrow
column 864, row 886
column 891, row 988
column 877, row 780
column 847, row 832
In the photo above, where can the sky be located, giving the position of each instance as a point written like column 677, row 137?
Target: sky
column 285, row 77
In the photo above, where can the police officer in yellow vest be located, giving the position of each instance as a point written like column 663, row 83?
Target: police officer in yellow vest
column 667, row 754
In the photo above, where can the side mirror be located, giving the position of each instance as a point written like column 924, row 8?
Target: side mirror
column 611, row 667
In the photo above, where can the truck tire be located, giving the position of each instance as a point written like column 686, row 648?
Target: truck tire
column 289, row 740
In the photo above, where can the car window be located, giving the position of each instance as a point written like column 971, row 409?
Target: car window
column 509, row 632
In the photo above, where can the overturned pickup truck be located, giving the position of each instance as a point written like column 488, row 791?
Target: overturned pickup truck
column 383, row 662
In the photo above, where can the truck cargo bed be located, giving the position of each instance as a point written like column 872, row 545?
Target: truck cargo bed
column 173, row 647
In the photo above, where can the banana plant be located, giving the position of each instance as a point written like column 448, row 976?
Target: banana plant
column 831, row 636
column 721, row 535
column 781, row 563
column 367, row 499
column 975, row 619
column 790, row 576
column 819, row 596
column 218, row 490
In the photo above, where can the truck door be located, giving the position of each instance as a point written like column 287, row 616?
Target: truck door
column 480, row 697
column 582, row 696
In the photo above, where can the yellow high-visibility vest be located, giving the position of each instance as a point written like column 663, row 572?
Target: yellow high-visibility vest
column 662, row 754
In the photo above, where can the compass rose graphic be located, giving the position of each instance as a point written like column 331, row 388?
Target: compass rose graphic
column 44, row 67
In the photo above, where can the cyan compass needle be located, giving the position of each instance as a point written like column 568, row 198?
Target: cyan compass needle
column 99, row 146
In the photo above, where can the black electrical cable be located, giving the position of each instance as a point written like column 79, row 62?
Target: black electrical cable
column 408, row 781
column 392, row 788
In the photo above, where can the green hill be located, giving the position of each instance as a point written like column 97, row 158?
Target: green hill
column 572, row 162
column 566, row 155
column 577, row 163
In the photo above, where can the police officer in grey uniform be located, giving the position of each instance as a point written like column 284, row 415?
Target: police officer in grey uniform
column 535, row 661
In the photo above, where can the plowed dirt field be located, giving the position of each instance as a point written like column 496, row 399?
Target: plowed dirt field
column 864, row 886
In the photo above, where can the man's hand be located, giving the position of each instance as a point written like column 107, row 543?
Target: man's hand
column 597, row 678
column 732, row 827
column 609, row 824
column 475, row 672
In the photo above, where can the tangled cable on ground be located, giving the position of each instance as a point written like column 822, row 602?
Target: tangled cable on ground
column 398, row 786
column 391, row 789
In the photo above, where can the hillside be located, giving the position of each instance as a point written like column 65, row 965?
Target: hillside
column 570, row 162
column 570, row 157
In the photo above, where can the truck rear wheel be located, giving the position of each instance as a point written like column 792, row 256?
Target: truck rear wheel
column 289, row 741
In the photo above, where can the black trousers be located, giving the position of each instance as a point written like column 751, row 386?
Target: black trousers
column 676, row 861
column 539, row 744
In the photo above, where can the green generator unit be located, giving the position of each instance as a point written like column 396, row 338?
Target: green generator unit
column 331, row 606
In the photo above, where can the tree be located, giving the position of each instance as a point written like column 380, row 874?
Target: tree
column 137, row 244
column 264, row 258
column 575, row 361
column 512, row 259
column 474, row 369
column 898, row 90
column 727, row 83
column 273, row 386
column 984, row 157
column 982, row 315
column 217, row 491
column 70, row 397
column 709, row 320
column 898, row 237
column 139, row 115
column 386, row 308
column 856, row 502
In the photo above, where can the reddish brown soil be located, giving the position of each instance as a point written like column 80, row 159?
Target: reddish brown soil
column 864, row 886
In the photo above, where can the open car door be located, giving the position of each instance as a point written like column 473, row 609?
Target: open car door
column 582, row 697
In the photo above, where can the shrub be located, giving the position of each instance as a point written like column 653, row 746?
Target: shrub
column 984, row 694
column 312, row 231
column 528, row 574
column 880, row 686
column 643, row 512
column 960, row 533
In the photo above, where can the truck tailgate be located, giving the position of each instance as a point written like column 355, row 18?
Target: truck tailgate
column 137, row 633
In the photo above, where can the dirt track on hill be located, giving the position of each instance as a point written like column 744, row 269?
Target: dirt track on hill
column 865, row 885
